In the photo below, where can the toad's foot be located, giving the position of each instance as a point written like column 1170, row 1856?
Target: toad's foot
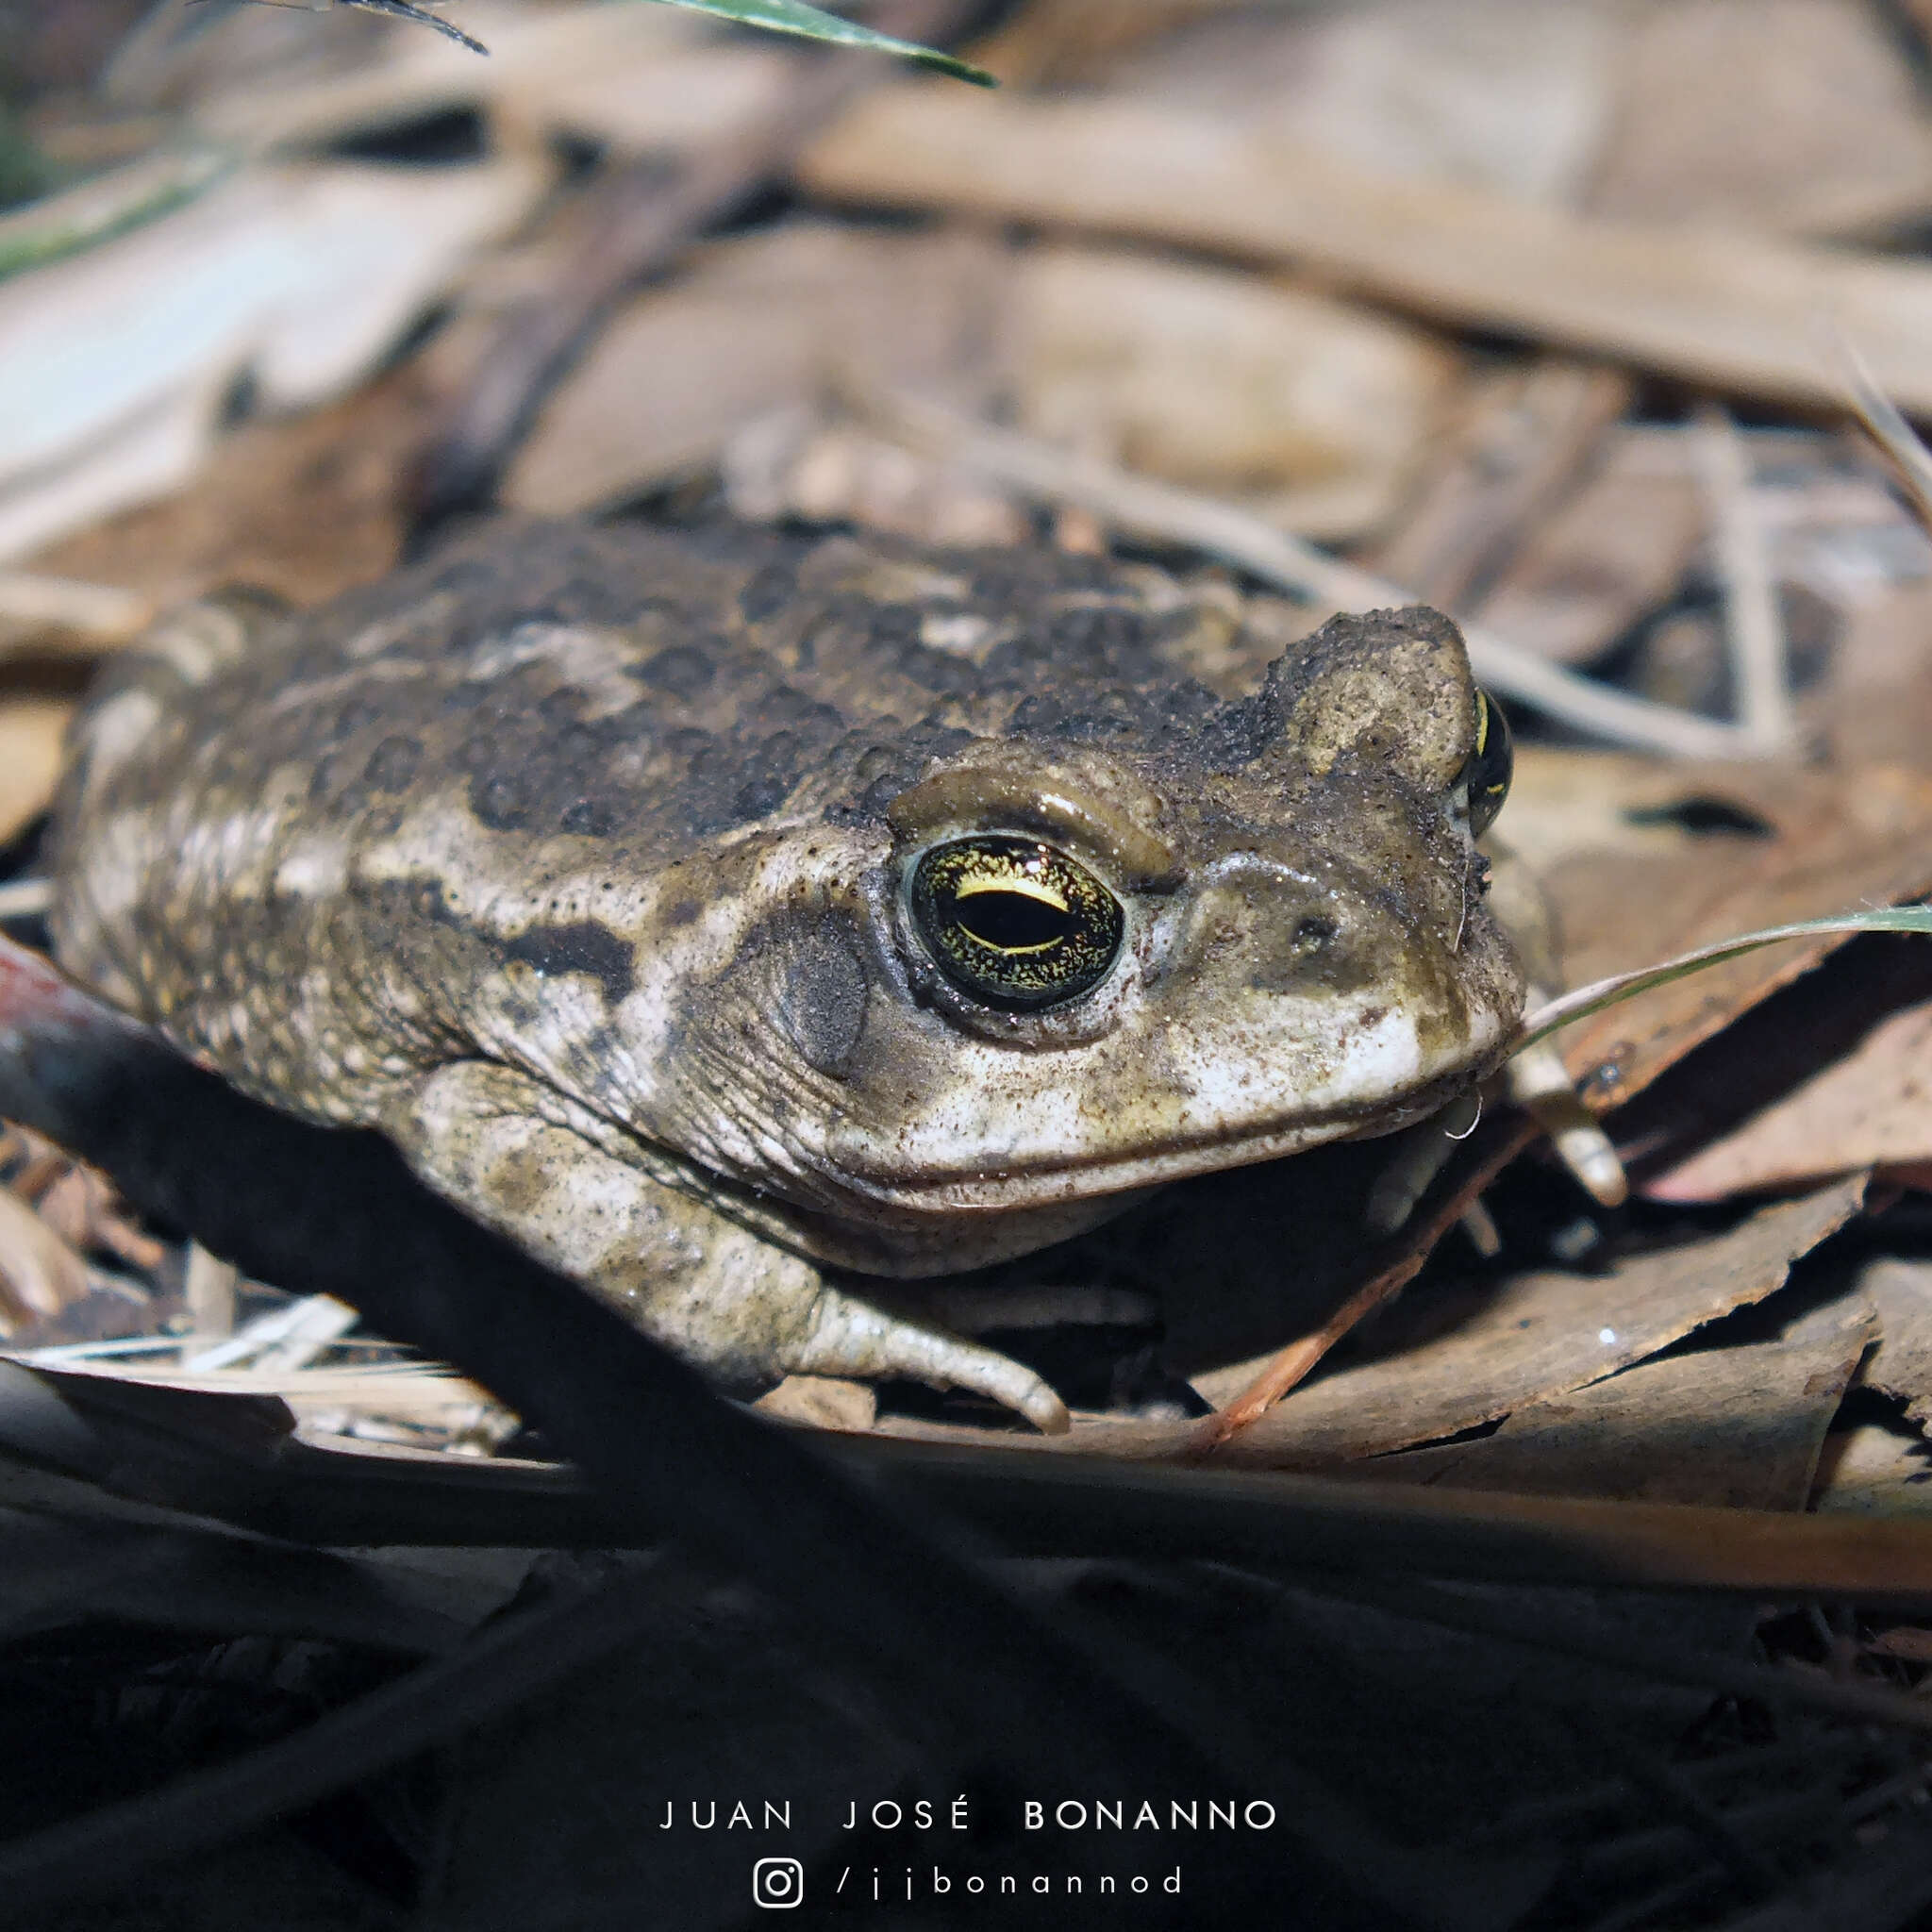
column 853, row 1337
column 740, row 1307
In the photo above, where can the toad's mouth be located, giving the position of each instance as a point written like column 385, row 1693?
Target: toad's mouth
column 991, row 1188
column 963, row 1158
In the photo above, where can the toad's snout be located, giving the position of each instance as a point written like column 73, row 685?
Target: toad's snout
column 1262, row 924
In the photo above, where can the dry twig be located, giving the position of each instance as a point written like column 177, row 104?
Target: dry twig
column 94, row 614
column 1298, row 1360
column 1726, row 309
column 1168, row 513
column 1753, row 627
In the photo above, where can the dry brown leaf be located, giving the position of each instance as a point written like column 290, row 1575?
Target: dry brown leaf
column 116, row 362
column 1455, row 1359
column 1759, row 1078
column 1064, row 39
column 1311, row 411
column 1794, row 116
column 1870, row 1470
column 654, row 97
column 805, row 462
column 758, row 325
column 1900, row 1293
column 1568, row 804
column 1830, row 842
column 1513, row 95
column 1491, row 1351
column 1615, row 548
column 1740, row 1426
column 1876, row 705
column 305, row 508
column 1021, row 1496
column 40, row 1275
column 1732, row 310
column 1872, row 1108
column 79, row 1202
column 1525, row 437
column 1239, row 1263
column 825, row 1402
column 71, row 1202
column 1246, row 1392
column 31, row 733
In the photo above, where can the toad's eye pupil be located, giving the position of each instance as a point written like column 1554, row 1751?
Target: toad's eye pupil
column 1013, row 923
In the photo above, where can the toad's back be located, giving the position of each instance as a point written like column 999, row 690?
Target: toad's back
column 536, row 700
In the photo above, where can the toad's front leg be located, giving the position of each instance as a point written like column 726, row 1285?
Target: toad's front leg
column 742, row 1308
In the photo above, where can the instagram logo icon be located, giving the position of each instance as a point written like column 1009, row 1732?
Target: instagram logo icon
column 778, row 1884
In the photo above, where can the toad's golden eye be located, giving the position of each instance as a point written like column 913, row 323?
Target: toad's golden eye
column 1490, row 762
column 1012, row 922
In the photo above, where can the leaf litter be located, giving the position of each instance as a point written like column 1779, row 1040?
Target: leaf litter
column 1721, row 1386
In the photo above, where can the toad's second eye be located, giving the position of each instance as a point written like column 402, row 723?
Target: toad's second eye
column 1490, row 762
column 1012, row 922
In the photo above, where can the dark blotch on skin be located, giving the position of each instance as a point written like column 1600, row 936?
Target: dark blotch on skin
column 590, row 818
column 769, row 590
column 681, row 672
column 824, row 993
column 582, row 947
column 392, row 763
column 501, row 800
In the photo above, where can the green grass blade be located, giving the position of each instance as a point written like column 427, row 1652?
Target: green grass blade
column 815, row 24
column 1607, row 992
column 98, row 209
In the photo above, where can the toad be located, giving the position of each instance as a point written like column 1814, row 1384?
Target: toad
column 751, row 924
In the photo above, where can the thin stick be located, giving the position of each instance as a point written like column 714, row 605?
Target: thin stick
column 1754, row 626
column 1168, row 513
column 95, row 613
column 1297, row 1361
column 210, row 1292
column 26, row 898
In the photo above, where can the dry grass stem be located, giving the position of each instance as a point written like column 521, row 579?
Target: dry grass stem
column 1754, row 626
column 26, row 898
column 40, row 1275
column 1724, row 309
column 1298, row 1360
column 1885, row 426
column 1165, row 512
column 93, row 614
column 284, row 1338
column 210, row 1292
